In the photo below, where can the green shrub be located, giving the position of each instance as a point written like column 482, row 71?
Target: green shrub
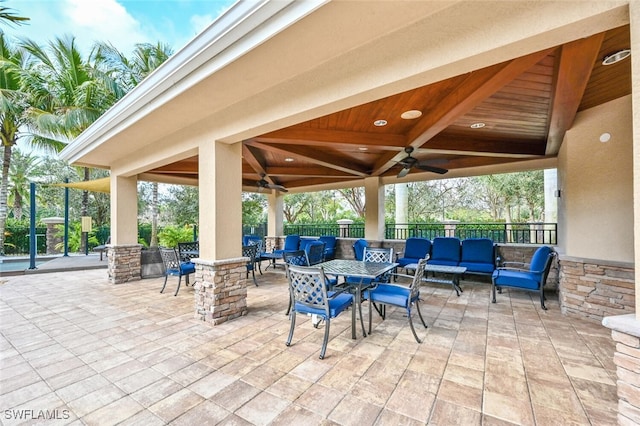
column 170, row 235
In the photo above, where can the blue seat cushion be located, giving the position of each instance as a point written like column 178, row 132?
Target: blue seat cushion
column 442, row 262
column 336, row 305
column 485, row 268
column 188, row 268
column 389, row 294
column 357, row 280
column 404, row 261
column 518, row 279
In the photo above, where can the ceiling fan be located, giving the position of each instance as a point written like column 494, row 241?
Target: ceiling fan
column 263, row 183
column 410, row 162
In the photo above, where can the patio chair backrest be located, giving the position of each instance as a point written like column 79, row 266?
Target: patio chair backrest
column 378, row 255
column 192, row 247
column 250, row 251
column 308, row 286
column 169, row 259
column 315, row 252
column 414, row 289
column 296, row 258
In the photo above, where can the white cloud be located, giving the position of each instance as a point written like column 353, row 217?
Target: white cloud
column 103, row 20
column 87, row 21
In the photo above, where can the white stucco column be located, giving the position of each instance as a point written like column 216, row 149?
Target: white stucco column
column 374, row 209
column 124, row 210
column 220, row 196
column 402, row 207
column 275, row 214
column 123, row 253
column 220, row 288
column 634, row 17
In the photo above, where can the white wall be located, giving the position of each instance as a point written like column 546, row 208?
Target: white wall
column 595, row 210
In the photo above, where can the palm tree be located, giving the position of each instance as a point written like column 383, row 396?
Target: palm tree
column 14, row 101
column 24, row 167
column 146, row 58
column 70, row 94
column 7, row 15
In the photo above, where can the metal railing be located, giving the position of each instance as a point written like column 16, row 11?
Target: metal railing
column 516, row 233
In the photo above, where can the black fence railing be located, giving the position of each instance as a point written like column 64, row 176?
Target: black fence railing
column 16, row 240
column 522, row 233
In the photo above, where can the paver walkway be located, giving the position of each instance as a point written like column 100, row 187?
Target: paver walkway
column 74, row 347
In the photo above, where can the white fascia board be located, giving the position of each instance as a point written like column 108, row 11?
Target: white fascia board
column 243, row 27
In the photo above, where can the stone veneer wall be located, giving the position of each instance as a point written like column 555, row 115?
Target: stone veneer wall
column 625, row 331
column 123, row 263
column 220, row 289
column 594, row 289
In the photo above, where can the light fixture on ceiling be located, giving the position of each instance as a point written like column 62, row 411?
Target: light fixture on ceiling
column 616, row 57
column 380, row 123
column 605, row 137
column 411, row 114
column 363, row 148
column 477, row 125
column 288, row 159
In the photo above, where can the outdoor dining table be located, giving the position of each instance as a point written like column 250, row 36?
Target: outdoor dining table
column 357, row 269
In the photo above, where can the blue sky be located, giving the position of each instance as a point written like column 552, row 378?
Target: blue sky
column 121, row 22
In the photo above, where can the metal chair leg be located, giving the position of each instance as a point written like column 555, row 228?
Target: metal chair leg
column 293, row 325
column 420, row 314
column 165, row 283
column 179, row 281
column 413, row 330
column 326, row 338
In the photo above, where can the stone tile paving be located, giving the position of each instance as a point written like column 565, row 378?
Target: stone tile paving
column 83, row 351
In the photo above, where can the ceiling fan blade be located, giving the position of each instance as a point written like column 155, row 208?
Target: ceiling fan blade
column 432, row 169
column 404, row 172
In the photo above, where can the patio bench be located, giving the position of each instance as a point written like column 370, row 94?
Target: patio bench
column 102, row 247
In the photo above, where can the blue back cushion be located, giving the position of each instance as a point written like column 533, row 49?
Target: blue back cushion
column 329, row 241
column 358, row 248
column 291, row 242
column 416, row 248
column 477, row 250
column 304, row 242
column 446, row 249
column 539, row 258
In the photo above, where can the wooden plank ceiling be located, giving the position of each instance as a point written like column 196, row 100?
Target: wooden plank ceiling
column 525, row 106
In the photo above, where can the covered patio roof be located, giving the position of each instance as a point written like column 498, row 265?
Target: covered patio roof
column 255, row 86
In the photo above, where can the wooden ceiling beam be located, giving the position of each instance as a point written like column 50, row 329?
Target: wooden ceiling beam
column 478, row 86
column 315, row 156
column 574, row 70
column 333, row 138
column 299, row 172
column 469, row 145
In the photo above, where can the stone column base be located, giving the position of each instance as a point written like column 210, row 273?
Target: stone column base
column 626, row 333
column 124, row 263
column 220, row 289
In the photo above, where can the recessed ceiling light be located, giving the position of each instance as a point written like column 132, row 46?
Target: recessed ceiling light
column 380, row 123
column 605, row 137
column 477, row 125
column 616, row 57
column 411, row 114
column 363, row 148
column 288, row 159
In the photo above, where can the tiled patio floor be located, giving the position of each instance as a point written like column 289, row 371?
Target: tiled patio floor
column 94, row 353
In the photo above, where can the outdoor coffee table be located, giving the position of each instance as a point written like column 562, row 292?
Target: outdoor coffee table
column 271, row 257
column 452, row 274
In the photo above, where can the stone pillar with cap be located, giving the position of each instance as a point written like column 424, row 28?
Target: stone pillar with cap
column 54, row 236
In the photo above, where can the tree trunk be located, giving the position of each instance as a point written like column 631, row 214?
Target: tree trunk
column 154, row 215
column 6, row 161
column 17, row 206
